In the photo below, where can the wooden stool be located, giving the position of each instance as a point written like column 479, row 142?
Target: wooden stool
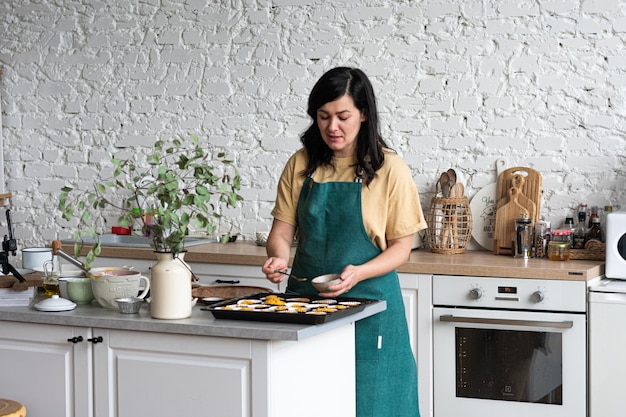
column 10, row 408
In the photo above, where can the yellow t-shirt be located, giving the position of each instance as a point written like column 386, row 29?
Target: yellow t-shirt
column 390, row 204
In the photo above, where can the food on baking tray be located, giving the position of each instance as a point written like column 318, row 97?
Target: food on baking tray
column 273, row 303
column 298, row 300
column 274, row 300
column 286, row 308
column 325, row 301
column 325, row 309
column 249, row 302
column 350, row 303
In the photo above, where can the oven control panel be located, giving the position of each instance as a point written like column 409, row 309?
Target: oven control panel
column 510, row 293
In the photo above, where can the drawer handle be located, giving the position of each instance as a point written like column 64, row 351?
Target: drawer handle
column 75, row 339
column 95, row 340
column 222, row 281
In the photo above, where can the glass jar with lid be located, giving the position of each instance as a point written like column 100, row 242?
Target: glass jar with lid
column 558, row 251
column 563, row 235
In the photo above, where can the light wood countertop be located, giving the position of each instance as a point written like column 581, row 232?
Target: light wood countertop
column 421, row 261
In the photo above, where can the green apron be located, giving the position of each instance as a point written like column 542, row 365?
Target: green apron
column 332, row 235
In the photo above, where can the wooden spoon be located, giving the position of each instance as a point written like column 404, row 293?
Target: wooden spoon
column 443, row 182
column 452, row 179
column 444, row 179
column 457, row 191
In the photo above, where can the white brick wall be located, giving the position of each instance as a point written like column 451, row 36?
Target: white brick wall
column 460, row 84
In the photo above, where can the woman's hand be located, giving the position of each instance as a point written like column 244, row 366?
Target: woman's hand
column 275, row 264
column 278, row 248
column 397, row 253
column 349, row 278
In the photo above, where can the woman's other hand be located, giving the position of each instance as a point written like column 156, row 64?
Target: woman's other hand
column 397, row 253
column 278, row 250
column 272, row 265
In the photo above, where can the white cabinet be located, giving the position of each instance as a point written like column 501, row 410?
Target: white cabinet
column 134, row 373
column 417, row 297
column 44, row 371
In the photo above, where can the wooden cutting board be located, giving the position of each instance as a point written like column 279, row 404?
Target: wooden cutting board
column 518, row 181
column 226, row 292
column 531, row 186
column 32, row 280
column 505, row 223
column 527, row 183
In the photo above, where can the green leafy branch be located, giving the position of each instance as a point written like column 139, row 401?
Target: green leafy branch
column 182, row 185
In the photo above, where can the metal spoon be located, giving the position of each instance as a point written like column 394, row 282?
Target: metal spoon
column 291, row 275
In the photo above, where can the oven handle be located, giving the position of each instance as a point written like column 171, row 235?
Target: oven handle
column 507, row 322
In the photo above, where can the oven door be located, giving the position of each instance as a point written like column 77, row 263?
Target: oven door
column 494, row 363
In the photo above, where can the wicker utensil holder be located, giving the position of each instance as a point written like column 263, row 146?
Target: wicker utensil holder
column 449, row 222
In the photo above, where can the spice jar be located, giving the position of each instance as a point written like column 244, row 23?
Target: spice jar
column 543, row 236
column 558, row 251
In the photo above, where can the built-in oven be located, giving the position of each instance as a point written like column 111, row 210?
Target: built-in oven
column 509, row 347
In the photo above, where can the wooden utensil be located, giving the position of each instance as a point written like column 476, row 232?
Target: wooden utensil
column 451, row 180
column 443, row 182
column 444, row 179
column 455, row 192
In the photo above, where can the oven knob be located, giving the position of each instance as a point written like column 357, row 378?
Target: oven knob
column 475, row 293
column 537, row 297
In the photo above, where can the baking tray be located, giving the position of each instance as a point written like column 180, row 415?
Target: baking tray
column 267, row 315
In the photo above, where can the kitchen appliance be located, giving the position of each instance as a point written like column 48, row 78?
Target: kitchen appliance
column 616, row 245
column 509, row 347
column 607, row 338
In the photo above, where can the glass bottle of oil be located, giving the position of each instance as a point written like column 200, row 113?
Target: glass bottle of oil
column 580, row 232
column 595, row 233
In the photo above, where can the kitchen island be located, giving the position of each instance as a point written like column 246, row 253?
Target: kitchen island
column 97, row 362
column 240, row 263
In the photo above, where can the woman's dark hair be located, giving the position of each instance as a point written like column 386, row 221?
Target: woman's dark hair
column 332, row 85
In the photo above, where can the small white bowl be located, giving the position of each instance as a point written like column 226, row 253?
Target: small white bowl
column 323, row 282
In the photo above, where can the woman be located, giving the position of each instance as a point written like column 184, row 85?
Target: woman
column 355, row 207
